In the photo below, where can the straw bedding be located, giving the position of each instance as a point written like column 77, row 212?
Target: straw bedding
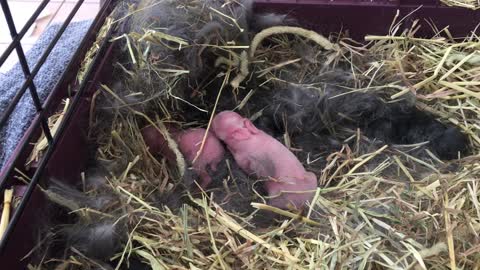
column 390, row 128
column 470, row 4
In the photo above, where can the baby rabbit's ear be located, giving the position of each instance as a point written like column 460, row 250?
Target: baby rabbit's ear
column 250, row 126
column 241, row 134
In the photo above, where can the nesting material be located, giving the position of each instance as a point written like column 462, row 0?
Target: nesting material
column 471, row 4
column 382, row 203
column 7, row 201
column 54, row 123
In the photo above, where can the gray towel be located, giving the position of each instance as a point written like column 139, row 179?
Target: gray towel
column 49, row 74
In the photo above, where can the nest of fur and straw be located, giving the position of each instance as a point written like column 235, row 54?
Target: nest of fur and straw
column 470, row 4
column 361, row 217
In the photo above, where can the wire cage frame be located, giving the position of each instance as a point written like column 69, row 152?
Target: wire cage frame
column 44, row 109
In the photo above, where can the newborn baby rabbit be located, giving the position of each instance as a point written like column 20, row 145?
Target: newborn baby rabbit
column 289, row 184
column 189, row 143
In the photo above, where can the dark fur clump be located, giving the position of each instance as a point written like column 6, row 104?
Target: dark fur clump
column 313, row 150
column 84, row 230
column 294, row 110
column 100, row 240
column 303, row 112
column 231, row 188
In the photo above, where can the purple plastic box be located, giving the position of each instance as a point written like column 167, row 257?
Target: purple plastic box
column 373, row 17
column 360, row 17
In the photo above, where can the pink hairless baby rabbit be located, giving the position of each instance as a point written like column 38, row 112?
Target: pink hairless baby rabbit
column 189, row 143
column 258, row 153
column 157, row 144
column 212, row 153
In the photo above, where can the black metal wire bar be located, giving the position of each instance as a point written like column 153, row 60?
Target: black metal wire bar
column 39, row 64
column 44, row 161
column 10, row 166
column 22, row 32
column 26, row 70
column 8, row 169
